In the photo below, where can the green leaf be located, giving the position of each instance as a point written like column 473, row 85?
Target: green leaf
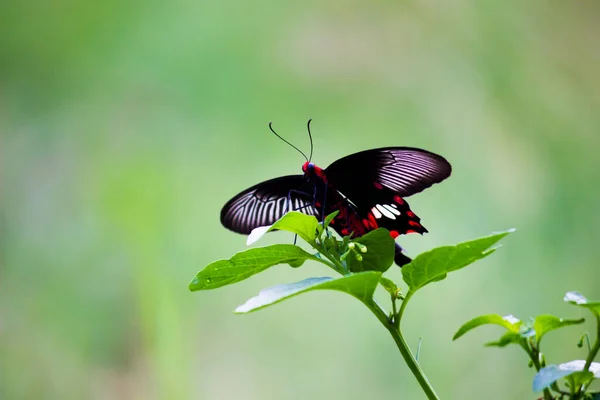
column 551, row 373
column 329, row 218
column 380, row 252
column 506, row 339
column 547, row 322
column 578, row 378
column 389, row 286
column 361, row 285
column 247, row 263
column 435, row 264
column 305, row 226
column 579, row 299
column 509, row 322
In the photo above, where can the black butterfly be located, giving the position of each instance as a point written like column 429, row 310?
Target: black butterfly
column 368, row 189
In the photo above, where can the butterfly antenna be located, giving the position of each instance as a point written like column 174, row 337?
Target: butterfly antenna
column 276, row 134
column 310, row 137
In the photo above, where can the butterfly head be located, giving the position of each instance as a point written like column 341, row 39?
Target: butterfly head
column 310, row 170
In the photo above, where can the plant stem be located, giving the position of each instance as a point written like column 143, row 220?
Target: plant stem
column 405, row 351
column 596, row 348
column 590, row 358
column 392, row 326
column 403, row 306
column 336, row 265
column 535, row 358
column 394, row 319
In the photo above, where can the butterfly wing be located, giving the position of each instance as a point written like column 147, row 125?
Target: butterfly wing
column 266, row 202
column 376, row 182
column 404, row 170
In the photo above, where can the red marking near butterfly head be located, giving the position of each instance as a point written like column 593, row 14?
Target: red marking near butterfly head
column 378, row 185
column 394, row 234
column 311, row 169
column 398, row 199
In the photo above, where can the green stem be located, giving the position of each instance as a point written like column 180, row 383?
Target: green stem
column 336, row 265
column 405, row 351
column 393, row 327
column 591, row 355
column 403, row 306
column 535, row 358
column 596, row 348
column 394, row 312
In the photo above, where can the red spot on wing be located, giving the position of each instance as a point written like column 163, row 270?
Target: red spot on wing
column 365, row 223
column 398, row 199
column 318, row 204
column 378, row 185
column 414, row 223
column 410, row 231
column 394, row 234
column 345, row 232
column 373, row 221
column 410, row 214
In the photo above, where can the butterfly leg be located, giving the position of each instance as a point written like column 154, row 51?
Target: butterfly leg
column 314, row 203
column 289, row 203
column 323, row 210
column 301, row 193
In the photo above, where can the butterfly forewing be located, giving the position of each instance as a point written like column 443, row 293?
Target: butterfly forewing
column 403, row 170
column 265, row 203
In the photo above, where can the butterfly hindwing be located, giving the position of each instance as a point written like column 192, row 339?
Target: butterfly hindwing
column 388, row 210
column 266, row 202
column 376, row 182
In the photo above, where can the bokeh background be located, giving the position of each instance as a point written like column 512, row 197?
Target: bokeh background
column 126, row 125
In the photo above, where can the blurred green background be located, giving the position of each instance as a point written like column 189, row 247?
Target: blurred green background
column 127, row 125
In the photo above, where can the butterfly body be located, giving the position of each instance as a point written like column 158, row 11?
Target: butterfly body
column 328, row 199
column 367, row 188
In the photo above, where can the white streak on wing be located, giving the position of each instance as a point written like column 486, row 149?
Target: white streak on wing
column 376, row 212
column 392, row 209
column 385, row 211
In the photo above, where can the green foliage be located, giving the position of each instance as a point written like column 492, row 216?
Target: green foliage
column 546, row 322
column 580, row 300
column 578, row 373
column 509, row 322
column 434, row 265
column 305, row 226
column 361, row 262
column 572, row 369
column 378, row 252
column 360, row 285
column 247, row 263
column 390, row 286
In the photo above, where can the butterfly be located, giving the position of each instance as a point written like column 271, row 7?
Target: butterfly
column 368, row 188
